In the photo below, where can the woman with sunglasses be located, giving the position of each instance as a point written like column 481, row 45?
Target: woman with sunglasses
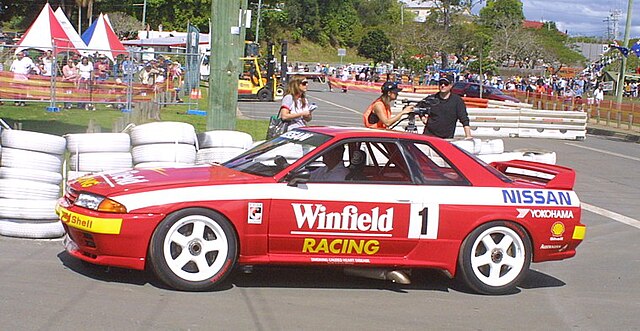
column 441, row 121
column 378, row 114
column 295, row 107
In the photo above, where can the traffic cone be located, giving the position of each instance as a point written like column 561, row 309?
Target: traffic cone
column 195, row 94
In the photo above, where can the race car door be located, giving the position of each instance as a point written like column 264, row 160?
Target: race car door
column 352, row 211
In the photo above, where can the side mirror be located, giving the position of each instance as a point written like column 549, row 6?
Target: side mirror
column 299, row 176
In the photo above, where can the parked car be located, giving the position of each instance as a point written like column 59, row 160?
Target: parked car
column 402, row 201
column 468, row 89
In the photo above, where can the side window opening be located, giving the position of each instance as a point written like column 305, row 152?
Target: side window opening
column 431, row 167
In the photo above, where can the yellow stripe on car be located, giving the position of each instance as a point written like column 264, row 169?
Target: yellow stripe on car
column 88, row 223
column 579, row 232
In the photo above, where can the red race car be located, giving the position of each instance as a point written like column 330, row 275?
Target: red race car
column 377, row 203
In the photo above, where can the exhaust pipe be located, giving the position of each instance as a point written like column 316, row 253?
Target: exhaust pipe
column 396, row 276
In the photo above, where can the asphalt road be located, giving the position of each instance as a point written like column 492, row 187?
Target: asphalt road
column 42, row 288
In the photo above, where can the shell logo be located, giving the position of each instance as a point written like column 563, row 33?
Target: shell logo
column 557, row 229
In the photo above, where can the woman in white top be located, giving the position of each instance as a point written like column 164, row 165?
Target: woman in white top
column 295, row 107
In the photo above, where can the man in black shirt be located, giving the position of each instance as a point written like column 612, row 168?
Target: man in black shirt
column 442, row 119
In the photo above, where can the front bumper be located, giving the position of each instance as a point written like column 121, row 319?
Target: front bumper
column 118, row 240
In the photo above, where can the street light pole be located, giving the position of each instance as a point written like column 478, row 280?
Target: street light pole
column 144, row 14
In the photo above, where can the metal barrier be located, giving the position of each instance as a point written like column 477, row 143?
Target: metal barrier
column 142, row 78
column 506, row 119
column 625, row 115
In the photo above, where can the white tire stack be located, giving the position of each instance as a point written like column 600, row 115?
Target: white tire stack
column 95, row 152
column 30, row 177
column 222, row 145
column 163, row 144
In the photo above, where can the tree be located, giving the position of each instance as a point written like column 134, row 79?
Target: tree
column 502, row 13
column 340, row 23
column 124, row 25
column 376, row 46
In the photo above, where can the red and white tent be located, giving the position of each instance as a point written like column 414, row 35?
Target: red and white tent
column 101, row 38
column 73, row 35
column 45, row 32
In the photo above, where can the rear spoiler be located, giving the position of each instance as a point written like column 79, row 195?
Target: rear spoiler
column 563, row 178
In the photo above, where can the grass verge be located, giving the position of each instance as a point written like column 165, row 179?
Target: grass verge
column 34, row 117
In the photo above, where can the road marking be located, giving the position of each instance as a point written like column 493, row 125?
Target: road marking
column 605, row 152
column 339, row 106
column 612, row 215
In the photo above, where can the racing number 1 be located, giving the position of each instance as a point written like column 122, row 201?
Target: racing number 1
column 424, row 221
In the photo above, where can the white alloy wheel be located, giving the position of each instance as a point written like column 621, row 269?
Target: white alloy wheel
column 33, row 141
column 495, row 257
column 98, row 142
column 193, row 249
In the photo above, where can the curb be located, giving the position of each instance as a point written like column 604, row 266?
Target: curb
column 630, row 137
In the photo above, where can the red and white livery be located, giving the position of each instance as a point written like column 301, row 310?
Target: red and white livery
column 403, row 201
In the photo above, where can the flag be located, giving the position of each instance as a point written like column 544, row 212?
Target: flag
column 636, row 48
column 623, row 50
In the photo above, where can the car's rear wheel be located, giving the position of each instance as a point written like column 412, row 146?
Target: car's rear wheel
column 193, row 249
column 494, row 258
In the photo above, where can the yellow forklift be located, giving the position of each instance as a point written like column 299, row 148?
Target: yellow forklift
column 256, row 83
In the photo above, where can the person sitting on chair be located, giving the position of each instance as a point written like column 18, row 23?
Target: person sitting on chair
column 334, row 169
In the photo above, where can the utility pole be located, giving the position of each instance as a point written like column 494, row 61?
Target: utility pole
column 258, row 20
column 227, row 43
column 623, row 63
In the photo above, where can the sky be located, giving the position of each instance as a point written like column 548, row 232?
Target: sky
column 584, row 17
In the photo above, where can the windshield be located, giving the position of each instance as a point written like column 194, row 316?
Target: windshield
column 269, row 158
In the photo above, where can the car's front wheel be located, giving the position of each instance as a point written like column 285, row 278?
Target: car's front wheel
column 193, row 249
column 494, row 258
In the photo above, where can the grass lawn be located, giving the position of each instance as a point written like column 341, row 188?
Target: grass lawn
column 34, row 117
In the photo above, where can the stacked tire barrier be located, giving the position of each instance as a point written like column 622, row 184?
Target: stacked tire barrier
column 492, row 150
column 222, row 145
column 30, row 177
column 93, row 152
column 163, row 144
column 31, row 165
column 498, row 119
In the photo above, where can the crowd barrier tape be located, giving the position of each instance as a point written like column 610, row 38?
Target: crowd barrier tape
column 506, row 119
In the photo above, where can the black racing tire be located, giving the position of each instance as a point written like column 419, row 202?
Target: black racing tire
column 265, row 95
column 494, row 258
column 193, row 249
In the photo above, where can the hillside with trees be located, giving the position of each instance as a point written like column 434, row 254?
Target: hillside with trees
column 379, row 30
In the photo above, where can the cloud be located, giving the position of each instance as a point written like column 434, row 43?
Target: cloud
column 583, row 17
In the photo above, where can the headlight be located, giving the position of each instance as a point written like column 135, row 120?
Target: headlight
column 99, row 203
